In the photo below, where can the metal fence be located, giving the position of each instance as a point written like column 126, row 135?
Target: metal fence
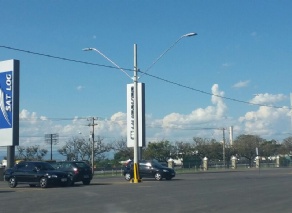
column 197, row 165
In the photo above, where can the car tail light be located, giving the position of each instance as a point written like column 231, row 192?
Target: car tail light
column 75, row 170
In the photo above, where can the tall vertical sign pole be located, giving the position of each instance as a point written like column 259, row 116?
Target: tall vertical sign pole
column 224, row 148
column 9, row 108
column 291, row 109
column 136, row 137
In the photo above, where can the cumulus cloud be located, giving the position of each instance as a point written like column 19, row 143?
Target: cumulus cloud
column 241, row 84
column 263, row 121
column 267, row 98
column 266, row 120
column 210, row 113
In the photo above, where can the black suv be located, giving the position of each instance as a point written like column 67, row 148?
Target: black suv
column 149, row 169
column 35, row 174
column 77, row 171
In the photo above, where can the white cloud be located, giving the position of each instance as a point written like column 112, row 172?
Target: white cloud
column 241, row 84
column 267, row 98
column 266, row 121
column 200, row 115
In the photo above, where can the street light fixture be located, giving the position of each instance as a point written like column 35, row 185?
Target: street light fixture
column 135, row 81
column 154, row 62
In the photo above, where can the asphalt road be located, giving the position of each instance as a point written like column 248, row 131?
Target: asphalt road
column 254, row 191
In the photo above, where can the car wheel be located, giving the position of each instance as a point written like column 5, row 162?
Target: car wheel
column 43, row 182
column 86, row 182
column 12, row 182
column 158, row 176
column 128, row 176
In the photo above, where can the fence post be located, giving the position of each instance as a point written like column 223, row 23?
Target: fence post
column 205, row 163
column 278, row 161
column 233, row 162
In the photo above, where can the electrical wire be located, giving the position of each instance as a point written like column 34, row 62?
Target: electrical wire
column 145, row 73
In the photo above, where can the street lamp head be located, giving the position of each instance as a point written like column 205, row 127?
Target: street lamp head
column 87, row 49
column 189, row 34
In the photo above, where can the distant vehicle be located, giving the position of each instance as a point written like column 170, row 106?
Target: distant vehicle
column 78, row 171
column 4, row 163
column 149, row 169
column 35, row 174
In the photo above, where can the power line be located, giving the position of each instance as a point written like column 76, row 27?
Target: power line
column 208, row 93
column 153, row 76
column 61, row 58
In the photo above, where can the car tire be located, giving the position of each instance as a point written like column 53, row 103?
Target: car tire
column 86, row 182
column 43, row 182
column 128, row 176
column 12, row 182
column 158, row 176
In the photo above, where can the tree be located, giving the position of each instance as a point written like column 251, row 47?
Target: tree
column 269, row 148
column 245, row 146
column 209, row 148
column 286, row 147
column 188, row 153
column 31, row 153
column 79, row 149
column 183, row 149
column 122, row 152
column 74, row 149
column 158, row 150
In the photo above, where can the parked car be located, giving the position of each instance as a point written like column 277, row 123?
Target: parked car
column 35, row 174
column 149, row 169
column 77, row 171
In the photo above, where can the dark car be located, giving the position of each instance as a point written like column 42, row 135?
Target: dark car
column 149, row 169
column 35, row 174
column 78, row 171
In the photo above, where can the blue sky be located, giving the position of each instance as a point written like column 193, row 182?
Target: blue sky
column 242, row 52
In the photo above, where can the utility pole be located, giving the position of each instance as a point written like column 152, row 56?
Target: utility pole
column 224, row 147
column 52, row 139
column 93, row 119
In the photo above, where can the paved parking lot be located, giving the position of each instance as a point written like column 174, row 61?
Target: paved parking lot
column 266, row 191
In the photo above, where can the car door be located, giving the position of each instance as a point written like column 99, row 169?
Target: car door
column 19, row 172
column 31, row 173
column 145, row 170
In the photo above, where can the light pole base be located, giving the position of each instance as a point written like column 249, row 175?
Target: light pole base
column 136, row 180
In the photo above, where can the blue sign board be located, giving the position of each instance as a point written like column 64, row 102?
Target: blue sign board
column 6, row 97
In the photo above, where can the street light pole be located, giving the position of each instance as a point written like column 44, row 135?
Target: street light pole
column 135, row 82
column 136, row 173
column 156, row 60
